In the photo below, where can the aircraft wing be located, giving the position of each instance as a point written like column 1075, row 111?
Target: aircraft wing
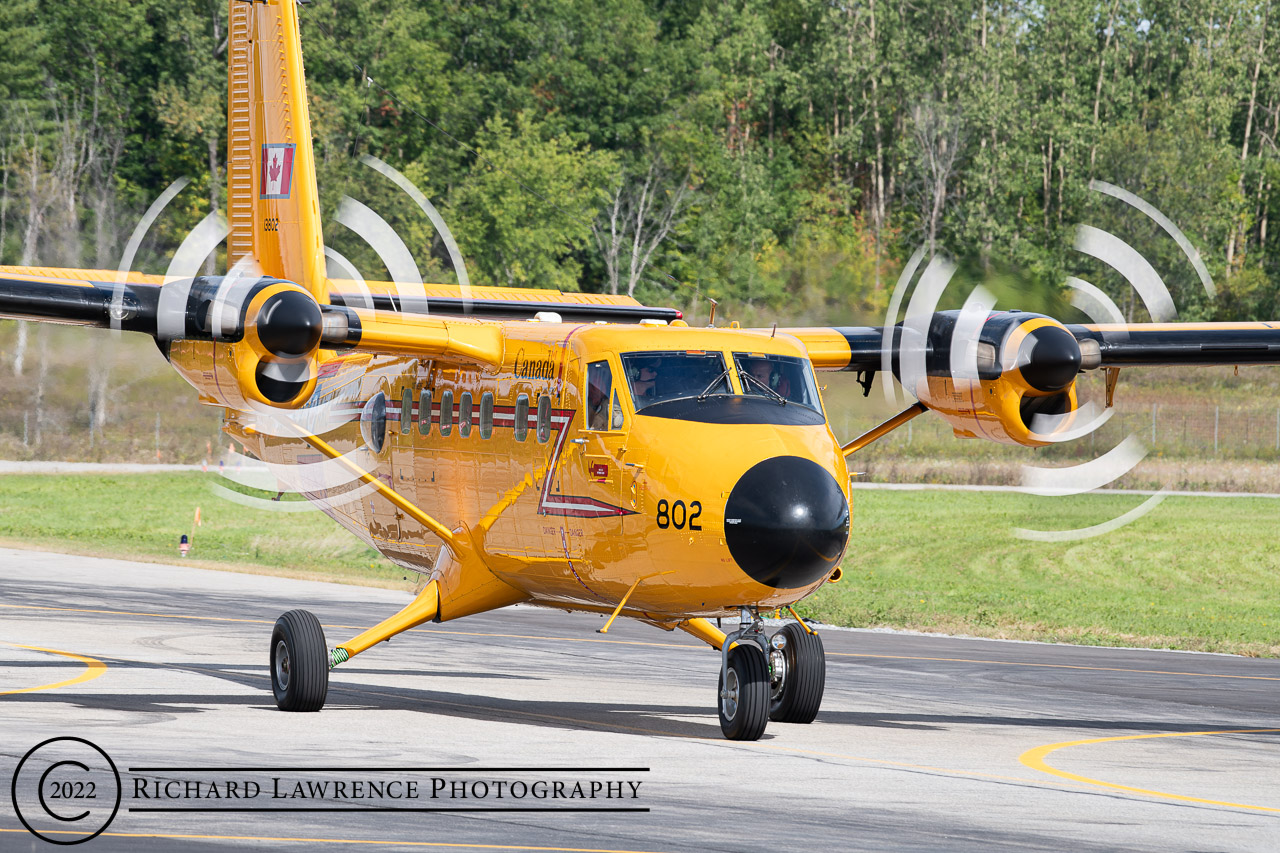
column 494, row 303
column 88, row 297
column 276, row 322
column 1155, row 344
column 225, row 308
column 1010, row 376
column 76, row 297
column 864, row 348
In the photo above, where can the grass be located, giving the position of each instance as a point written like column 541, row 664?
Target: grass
column 141, row 516
column 1197, row 573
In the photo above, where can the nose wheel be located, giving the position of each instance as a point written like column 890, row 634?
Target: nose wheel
column 799, row 675
column 761, row 679
column 299, row 662
column 744, row 693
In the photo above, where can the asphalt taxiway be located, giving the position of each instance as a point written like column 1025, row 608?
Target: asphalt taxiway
column 923, row 743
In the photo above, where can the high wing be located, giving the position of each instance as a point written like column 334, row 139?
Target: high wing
column 1009, row 376
column 495, row 303
column 1156, row 344
column 373, row 317
column 861, row 348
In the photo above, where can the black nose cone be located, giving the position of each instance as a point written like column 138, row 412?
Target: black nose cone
column 1049, row 358
column 290, row 324
column 786, row 522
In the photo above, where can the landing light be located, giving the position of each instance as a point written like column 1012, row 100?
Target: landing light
column 778, row 641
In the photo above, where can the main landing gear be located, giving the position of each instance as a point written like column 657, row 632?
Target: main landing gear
column 780, row 678
column 299, row 662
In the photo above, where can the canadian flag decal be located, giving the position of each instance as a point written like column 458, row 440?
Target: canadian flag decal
column 277, row 170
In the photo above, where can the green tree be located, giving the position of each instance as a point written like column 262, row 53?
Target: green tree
column 526, row 208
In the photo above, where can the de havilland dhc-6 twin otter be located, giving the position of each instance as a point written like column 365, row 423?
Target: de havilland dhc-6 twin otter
column 570, row 450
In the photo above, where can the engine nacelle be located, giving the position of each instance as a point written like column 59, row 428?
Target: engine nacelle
column 241, row 343
column 1002, row 410
column 1013, row 383
column 276, row 358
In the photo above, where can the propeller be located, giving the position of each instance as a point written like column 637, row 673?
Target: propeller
column 1011, row 376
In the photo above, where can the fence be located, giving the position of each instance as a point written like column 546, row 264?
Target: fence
column 1169, row 429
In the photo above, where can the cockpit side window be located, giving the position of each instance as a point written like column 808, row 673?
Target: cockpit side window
column 778, row 376
column 617, row 411
column 656, row 377
column 599, row 395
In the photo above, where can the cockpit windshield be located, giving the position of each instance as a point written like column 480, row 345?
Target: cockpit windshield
column 781, row 377
column 656, row 377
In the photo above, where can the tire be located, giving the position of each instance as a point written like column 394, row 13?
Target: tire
column 797, row 696
column 299, row 662
column 744, row 709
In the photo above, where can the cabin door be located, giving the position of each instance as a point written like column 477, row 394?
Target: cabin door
column 604, row 439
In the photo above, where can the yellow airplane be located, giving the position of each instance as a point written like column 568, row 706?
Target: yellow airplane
column 577, row 451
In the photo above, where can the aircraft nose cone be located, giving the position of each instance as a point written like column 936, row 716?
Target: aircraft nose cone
column 786, row 522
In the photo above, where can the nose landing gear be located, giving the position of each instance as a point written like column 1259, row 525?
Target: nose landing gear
column 781, row 679
column 799, row 675
column 744, row 693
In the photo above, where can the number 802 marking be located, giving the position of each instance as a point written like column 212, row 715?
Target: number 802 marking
column 678, row 516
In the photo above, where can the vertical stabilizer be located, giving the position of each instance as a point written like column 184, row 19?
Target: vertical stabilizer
column 273, row 207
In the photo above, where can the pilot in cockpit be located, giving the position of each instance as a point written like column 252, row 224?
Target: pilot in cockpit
column 645, row 382
column 763, row 376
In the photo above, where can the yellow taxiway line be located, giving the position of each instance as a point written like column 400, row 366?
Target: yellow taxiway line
column 1035, row 759
column 448, row 845
column 93, row 668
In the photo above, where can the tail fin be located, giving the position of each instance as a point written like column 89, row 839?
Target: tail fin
column 273, row 206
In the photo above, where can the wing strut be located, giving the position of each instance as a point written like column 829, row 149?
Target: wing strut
column 878, row 432
column 443, row 533
column 427, row 603
column 422, row 609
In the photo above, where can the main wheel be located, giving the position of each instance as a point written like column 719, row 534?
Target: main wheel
column 299, row 662
column 798, row 678
column 744, row 693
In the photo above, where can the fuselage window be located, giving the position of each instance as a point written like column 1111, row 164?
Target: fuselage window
column 373, row 422
column 778, row 376
column 522, row 417
column 486, row 414
column 406, row 410
column 544, row 419
column 464, row 414
column 446, row 413
column 599, row 394
column 424, row 411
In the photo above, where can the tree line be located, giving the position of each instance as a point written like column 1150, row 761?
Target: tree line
column 783, row 157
